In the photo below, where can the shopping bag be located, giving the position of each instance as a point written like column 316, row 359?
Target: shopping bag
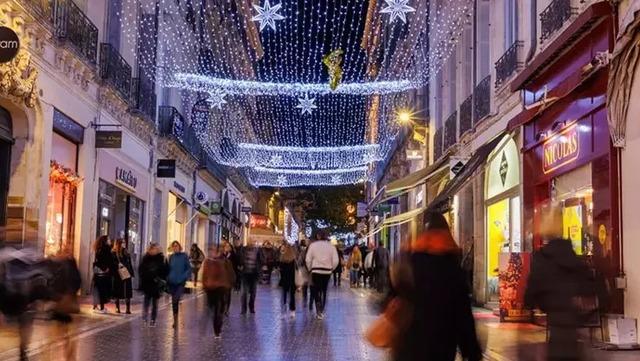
column 386, row 330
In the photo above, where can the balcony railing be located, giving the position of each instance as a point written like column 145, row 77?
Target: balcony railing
column 482, row 100
column 437, row 144
column 206, row 162
column 172, row 124
column 554, row 17
column 508, row 64
column 73, row 25
column 115, row 70
column 143, row 96
column 466, row 115
column 450, row 131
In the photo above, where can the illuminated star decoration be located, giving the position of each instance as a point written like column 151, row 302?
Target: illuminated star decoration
column 397, row 9
column 217, row 99
column 282, row 180
column 267, row 15
column 306, row 104
column 276, row 160
column 336, row 179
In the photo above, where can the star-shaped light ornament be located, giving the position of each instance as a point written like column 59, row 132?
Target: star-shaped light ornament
column 282, row 180
column 397, row 9
column 336, row 179
column 267, row 15
column 306, row 105
column 217, row 100
column 276, row 160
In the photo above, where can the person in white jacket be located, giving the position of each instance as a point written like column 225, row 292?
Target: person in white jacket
column 321, row 260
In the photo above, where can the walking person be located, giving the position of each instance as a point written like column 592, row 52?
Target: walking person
column 288, row 277
column 368, row 270
column 216, row 282
column 65, row 285
column 337, row 273
column 178, row 274
column 229, row 257
column 196, row 257
column 250, row 264
column 354, row 265
column 321, row 260
column 153, row 272
column 304, row 278
column 102, row 271
column 381, row 267
column 429, row 307
column 122, row 275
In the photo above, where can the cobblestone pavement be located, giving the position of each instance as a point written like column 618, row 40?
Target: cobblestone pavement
column 265, row 336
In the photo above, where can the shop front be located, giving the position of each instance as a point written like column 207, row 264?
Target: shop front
column 178, row 208
column 63, row 185
column 207, row 223
column 122, row 197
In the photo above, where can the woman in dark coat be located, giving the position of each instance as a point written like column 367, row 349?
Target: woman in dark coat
column 122, row 286
column 152, row 271
column 102, row 271
column 288, row 277
column 435, row 290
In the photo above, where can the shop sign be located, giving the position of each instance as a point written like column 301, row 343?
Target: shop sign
column 455, row 165
column 215, row 207
column 246, row 209
column 179, row 187
column 259, row 221
column 126, row 178
column 561, row 149
column 9, row 44
column 166, row 168
column 109, row 139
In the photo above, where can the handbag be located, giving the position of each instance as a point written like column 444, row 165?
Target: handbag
column 386, row 330
column 123, row 272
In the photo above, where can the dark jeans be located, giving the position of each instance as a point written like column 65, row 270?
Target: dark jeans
column 153, row 302
column 320, row 284
column 176, row 294
column 289, row 290
column 216, row 304
column 227, row 301
column 337, row 278
column 249, row 284
column 381, row 277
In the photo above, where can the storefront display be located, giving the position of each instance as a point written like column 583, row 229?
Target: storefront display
column 176, row 220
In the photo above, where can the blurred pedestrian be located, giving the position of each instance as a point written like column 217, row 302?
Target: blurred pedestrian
column 122, row 275
column 288, row 277
column 428, row 313
column 103, row 267
column 321, row 260
column 153, row 272
column 65, row 285
column 369, row 276
column 178, row 274
column 196, row 257
column 381, row 267
column 558, row 280
column 303, row 278
column 216, row 282
column 229, row 256
column 354, row 265
column 251, row 263
column 337, row 273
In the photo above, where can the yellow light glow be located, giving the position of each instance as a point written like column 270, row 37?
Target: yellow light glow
column 404, row 116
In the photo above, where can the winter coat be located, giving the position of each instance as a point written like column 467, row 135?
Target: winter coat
column 196, row 257
column 103, row 272
column 152, row 271
column 122, row 289
column 251, row 260
column 381, row 259
column 355, row 260
column 179, row 269
column 437, row 293
column 558, row 277
column 322, row 257
column 215, row 274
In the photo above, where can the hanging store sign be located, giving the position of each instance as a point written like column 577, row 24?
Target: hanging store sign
column 561, row 149
column 166, row 168
column 9, row 44
column 126, row 178
column 108, row 139
column 259, row 221
column 215, row 207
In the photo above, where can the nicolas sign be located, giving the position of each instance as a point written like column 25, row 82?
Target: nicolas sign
column 561, row 149
column 9, row 44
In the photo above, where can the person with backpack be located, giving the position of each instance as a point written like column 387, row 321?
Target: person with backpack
column 216, row 282
column 354, row 265
column 178, row 274
column 152, row 271
column 122, row 275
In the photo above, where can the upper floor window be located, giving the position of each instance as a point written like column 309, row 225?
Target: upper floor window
column 510, row 23
column 114, row 23
column 482, row 37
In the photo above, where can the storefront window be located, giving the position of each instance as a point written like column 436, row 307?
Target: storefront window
column 176, row 220
column 63, row 183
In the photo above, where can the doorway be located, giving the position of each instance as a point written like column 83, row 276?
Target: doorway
column 6, row 141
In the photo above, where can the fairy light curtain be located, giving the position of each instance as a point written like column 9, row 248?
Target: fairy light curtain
column 295, row 85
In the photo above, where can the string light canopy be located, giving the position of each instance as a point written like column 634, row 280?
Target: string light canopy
column 295, row 84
